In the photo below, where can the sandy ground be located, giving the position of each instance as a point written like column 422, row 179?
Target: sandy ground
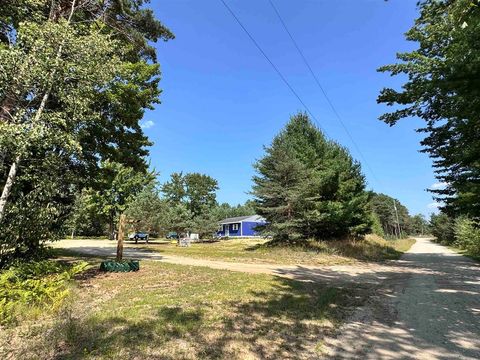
column 430, row 310
column 426, row 305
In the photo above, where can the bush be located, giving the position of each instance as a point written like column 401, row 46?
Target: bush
column 377, row 228
column 467, row 235
column 442, row 227
column 34, row 285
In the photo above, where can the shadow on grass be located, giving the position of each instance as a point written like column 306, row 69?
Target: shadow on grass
column 281, row 323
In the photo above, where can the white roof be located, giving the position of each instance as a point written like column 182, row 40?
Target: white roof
column 251, row 218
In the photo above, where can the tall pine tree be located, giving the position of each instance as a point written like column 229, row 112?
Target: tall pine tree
column 443, row 89
column 310, row 187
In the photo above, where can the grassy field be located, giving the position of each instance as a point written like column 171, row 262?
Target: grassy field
column 373, row 248
column 179, row 312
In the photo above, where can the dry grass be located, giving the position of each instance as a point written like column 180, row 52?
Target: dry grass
column 178, row 312
column 372, row 248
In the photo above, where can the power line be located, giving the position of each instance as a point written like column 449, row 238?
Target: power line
column 273, row 65
column 322, row 89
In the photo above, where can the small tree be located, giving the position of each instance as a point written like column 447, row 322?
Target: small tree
column 178, row 219
column 148, row 210
column 83, row 219
column 119, row 186
column 442, row 227
column 206, row 223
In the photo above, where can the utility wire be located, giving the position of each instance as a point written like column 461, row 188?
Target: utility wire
column 273, row 65
column 339, row 118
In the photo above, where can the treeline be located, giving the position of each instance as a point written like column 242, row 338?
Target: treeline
column 392, row 219
column 462, row 232
column 185, row 203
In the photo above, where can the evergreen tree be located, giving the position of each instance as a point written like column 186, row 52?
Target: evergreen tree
column 443, row 88
column 307, row 186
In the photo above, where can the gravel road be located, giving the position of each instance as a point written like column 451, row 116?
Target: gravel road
column 430, row 310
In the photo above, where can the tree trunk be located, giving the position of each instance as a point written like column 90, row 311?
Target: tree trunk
column 121, row 235
column 111, row 229
column 8, row 186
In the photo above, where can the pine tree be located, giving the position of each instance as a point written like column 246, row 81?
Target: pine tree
column 309, row 187
column 443, row 88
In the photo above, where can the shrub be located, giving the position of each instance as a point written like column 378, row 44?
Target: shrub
column 442, row 227
column 377, row 228
column 467, row 235
column 34, row 285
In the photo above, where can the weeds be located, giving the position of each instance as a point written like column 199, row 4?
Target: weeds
column 27, row 288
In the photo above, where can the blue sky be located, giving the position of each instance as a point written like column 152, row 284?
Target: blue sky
column 222, row 101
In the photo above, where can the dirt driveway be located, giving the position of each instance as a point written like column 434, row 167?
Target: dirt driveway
column 427, row 305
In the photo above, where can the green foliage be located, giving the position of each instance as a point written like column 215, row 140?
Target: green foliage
column 377, row 228
column 192, row 202
column 467, row 235
column 75, row 80
column 307, row 186
column 418, row 225
column 225, row 210
column 200, row 191
column 206, row 223
column 442, row 227
column 39, row 284
column 118, row 188
column 179, row 219
column 197, row 191
column 383, row 207
column 149, row 211
column 443, row 89
column 84, row 219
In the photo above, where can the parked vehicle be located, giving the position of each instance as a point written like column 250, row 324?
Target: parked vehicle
column 172, row 235
column 138, row 236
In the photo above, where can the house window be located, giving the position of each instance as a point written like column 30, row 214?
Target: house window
column 235, row 227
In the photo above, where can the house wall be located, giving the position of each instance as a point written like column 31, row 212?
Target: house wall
column 231, row 231
column 234, row 232
column 249, row 228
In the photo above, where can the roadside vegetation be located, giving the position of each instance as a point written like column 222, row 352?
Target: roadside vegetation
column 180, row 312
column 441, row 88
column 28, row 290
column 462, row 233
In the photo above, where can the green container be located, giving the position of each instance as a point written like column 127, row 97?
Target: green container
column 120, row 266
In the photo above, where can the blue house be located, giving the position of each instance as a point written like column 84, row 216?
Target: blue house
column 242, row 226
